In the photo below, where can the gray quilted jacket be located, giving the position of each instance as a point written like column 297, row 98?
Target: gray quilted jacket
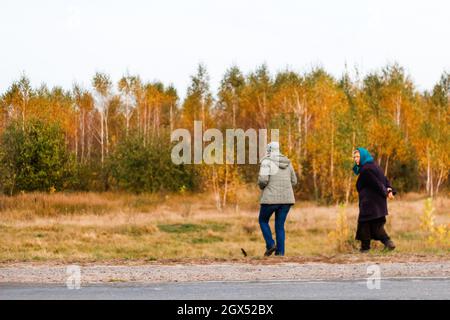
column 276, row 179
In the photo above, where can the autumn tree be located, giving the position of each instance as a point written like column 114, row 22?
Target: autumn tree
column 199, row 100
column 102, row 86
column 125, row 86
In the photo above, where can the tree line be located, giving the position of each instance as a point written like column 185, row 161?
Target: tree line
column 116, row 136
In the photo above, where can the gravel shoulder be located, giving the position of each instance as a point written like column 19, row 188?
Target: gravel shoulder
column 159, row 273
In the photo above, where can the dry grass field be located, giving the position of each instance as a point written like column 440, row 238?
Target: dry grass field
column 124, row 228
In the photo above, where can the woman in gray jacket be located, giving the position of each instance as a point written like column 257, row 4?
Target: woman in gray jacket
column 276, row 179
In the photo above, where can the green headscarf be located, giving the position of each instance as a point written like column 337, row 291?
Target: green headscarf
column 365, row 157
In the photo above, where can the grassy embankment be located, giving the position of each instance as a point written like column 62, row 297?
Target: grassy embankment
column 116, row 227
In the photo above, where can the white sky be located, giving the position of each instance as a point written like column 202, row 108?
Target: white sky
column 60, row 42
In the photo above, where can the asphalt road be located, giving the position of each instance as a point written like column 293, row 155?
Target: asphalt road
column 411, row 288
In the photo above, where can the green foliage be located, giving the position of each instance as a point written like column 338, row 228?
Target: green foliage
column 180, row 228
column 86, row 177
column 138, row 168
column 34, row 158
column 207, row 239
column 405, row 175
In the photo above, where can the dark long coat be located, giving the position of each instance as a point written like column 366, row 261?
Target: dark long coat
column 372, row 191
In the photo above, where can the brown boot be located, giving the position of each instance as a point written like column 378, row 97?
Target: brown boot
column 389, row 245
column 270, row 251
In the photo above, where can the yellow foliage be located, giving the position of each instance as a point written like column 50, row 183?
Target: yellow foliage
column 340, row 236
column 436, row 235
column 427, row 219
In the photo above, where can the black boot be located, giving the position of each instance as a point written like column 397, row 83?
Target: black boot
column 365, row 246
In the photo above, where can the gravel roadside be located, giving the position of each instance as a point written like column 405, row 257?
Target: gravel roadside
column 154, row 273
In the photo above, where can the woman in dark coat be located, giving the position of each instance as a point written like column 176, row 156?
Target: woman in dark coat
column 373, row 190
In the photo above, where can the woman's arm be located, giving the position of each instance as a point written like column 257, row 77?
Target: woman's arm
column 264, row 172
column 372, row 180
column 389, row 186
column 293, row 175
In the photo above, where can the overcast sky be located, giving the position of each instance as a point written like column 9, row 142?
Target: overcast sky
column 60, row 42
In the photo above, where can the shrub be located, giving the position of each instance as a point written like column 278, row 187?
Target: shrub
column 341, row 236
column 34, row 157
column 138, row 168
column 436, row 235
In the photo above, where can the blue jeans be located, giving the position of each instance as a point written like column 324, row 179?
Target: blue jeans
column 281, row 211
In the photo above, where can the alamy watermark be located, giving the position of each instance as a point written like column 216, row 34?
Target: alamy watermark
column 73, row 280
column 213, row 151
column 374, row 279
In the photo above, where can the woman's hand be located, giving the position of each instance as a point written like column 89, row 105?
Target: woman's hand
column 390, row 194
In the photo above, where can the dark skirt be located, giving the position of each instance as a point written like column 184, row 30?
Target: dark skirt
column 372, row 230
